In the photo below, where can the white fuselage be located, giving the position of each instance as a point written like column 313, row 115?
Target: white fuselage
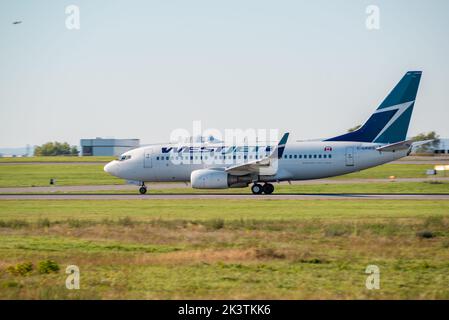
column 300, row 161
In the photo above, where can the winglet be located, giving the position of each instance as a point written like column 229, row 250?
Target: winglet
column 281, row 145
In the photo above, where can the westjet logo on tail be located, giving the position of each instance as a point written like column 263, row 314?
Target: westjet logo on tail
column 389, row 123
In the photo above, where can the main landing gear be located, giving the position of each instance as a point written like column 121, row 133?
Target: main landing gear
column 267, row 188
column 143, row 189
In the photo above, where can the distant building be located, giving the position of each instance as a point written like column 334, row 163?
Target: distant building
column 107, row 147
column 442, row 147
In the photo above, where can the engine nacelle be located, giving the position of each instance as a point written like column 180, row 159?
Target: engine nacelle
column 209, row 179
column 216, row 179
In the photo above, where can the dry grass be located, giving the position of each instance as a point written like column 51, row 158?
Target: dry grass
column 301, row 257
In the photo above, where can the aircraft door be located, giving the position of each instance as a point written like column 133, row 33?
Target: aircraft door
column 349, row 156
column 148, row 161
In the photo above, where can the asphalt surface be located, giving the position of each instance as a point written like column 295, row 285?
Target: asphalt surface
column 225, row 196
column 177, row 185
column 52, row 163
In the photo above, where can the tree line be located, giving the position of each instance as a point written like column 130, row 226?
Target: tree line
column 56, row 149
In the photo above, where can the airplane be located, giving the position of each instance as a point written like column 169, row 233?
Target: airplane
column 17, row 22
column 380, row 140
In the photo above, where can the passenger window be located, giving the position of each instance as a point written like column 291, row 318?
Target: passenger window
column 296, row 156
column 319, row 156
column 310, row 156
column 330, row 156
column 157, row 158
column 325, row 156
column 290, row 156
column 314, row 156
column 285, row 157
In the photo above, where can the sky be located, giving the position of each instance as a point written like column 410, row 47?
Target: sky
column 141, row 69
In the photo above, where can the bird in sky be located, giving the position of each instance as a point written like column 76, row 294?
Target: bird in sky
column 17, row 22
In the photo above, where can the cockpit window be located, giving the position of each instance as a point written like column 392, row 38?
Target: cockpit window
column 124, row 157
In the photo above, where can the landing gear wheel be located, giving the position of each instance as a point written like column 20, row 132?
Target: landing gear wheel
column 257, row 188
column 268, row 188
column 143, row 190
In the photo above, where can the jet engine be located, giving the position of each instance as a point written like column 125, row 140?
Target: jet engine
column 217, row 179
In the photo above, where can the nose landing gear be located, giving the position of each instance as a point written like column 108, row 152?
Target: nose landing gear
column 267, row 188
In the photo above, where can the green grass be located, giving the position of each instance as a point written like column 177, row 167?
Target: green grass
column 386, row 187
column 226, row 249
column 229, row 209
column 27, row 175
column 58, row 244
column 387, row 170
column 57, row 159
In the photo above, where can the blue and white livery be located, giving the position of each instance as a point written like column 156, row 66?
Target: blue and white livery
column 215, row 166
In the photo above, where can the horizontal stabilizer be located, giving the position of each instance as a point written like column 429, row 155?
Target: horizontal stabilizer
column 402, row 145
column 420, row 143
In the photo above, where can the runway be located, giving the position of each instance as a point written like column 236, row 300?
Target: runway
column 179, row 185
column 187, row 196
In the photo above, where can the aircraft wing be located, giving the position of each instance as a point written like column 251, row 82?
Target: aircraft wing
column 264, row 166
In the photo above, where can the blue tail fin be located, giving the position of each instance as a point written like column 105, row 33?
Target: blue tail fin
column 389, row 123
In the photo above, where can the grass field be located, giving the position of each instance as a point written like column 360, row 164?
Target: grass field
column 387, row 170
column 27, row 175
column 226, row 248
column 22, row 175
column 56, row 159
